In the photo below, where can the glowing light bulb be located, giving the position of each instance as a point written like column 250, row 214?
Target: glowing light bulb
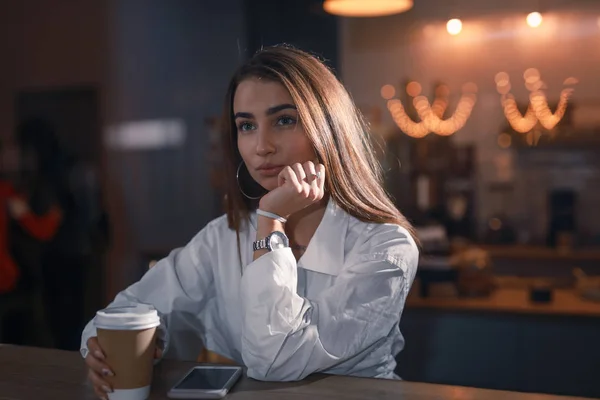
column 454, row 26
column 534, row 19
column 388, row 91
column 413, row 89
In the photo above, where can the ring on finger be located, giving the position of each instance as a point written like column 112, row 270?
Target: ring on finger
column 315, row 176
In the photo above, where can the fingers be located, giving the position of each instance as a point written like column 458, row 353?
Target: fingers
column 98, row 369
column 94, row 347
column 301, row 176
column 321, row 178
column 289, row 175
column 310, row 172
column 158, row 353
column 101, row 387
column 95, row 358
column 312, row 178
column 299, row 186
column 299, row 170
column 307, row 178
column 100, row 394
column 98, row 366
column 159, row 348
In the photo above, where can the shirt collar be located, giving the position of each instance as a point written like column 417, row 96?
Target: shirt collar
column 325, row 251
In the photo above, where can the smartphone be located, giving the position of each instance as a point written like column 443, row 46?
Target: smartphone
column 206, row 382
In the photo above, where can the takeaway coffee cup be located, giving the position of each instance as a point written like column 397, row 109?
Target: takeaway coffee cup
column 127, row 335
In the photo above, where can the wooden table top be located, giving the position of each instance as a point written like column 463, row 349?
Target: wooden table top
column 565, row 302
column 32, row 373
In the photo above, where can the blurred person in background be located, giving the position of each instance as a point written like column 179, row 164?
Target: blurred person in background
column 309, row 269
column 52, row 177
column 20, row 270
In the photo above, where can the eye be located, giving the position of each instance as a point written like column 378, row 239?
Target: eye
column 245, row 126
column 286, row 120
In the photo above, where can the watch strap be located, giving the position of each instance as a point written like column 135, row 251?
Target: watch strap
column 266, row 242
column 261, row 244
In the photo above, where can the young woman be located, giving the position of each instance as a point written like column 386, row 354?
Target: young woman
column 309, row 269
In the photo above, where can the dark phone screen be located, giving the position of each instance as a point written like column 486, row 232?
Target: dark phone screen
column 206, row 378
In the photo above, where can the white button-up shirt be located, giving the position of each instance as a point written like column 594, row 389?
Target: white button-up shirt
column 336, row 310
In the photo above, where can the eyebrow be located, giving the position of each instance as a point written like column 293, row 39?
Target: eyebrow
column 270, row 111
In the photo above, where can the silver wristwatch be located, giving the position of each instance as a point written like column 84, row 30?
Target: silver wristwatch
column 275, row 240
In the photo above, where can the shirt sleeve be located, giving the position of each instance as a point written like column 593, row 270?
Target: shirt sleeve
column 287, row 337
column 178, row 286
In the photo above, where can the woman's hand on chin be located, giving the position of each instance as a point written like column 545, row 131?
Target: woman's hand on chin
column 298, row 186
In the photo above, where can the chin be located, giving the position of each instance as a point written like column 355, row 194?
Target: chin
column 268, row 183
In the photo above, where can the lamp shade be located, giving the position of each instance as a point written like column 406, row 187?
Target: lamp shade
column 366, row 8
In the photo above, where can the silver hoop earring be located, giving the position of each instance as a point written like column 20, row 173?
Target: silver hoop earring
column 237, row 178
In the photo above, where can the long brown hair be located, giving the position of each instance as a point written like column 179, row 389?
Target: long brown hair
column 333, row 124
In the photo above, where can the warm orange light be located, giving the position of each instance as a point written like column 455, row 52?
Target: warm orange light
column 454, row 26
column 504, row 140
column 571, row 81
column 534, row 19
column 429, row 31
column 531, row 75
column 495, row 224
column 533, row 137
column 366, row 8
column 503, row 89
column 520, row 123
column 538, row 110
column 388, row 91
column 432, row 115
column 413, row 89
column 442, row 91
column 534, row 86
column 501, row 79
column 420, row 102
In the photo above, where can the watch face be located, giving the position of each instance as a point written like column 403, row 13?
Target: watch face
column 278, row 240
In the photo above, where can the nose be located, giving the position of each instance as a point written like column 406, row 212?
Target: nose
column 264, row 143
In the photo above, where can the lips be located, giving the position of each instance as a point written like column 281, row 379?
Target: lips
column 269, row 170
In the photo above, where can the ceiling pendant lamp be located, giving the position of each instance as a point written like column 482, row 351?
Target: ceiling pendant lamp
column 366, row 8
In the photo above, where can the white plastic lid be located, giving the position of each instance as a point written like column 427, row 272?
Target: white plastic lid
column 141, row 316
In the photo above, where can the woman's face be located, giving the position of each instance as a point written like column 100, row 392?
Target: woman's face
column 270, row 136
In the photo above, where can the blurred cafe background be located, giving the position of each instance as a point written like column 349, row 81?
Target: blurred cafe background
column 486, row 120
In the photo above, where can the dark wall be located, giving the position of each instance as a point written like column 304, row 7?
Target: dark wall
column 169, row 60
column 301, row 23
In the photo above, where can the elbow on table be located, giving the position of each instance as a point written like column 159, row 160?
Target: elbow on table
column 266, row 374
column 265, row 369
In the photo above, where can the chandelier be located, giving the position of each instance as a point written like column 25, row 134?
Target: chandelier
column 431, row 114
column 538, row 109
column 366, row 8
